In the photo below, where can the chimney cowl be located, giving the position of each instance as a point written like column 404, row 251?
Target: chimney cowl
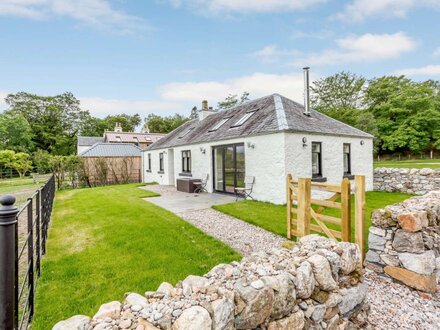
column 204, row 105
column 306, row 91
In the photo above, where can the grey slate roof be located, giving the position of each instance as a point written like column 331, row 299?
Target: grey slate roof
column 275, row 113
column 112, row 150
column 89, row 140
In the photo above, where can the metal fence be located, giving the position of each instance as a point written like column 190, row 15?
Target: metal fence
column 23, row 235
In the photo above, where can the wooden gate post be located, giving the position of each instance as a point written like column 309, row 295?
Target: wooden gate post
column 304, row 205
column 359, row 213
column 346, row 210
column 289, row 205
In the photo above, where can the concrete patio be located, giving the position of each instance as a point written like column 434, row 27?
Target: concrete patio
column 179, row 202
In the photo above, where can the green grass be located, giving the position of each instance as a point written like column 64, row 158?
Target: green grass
column 273, row 217
column 416, row 163
column 21, row 188
column 107, row 241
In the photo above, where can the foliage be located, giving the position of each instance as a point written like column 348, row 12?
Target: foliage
column 55, row 120
column 7, row 158
column 41, row 160
column 232, row 100
column 99, row 236
column 15, row 132
column 22, row 163
column 159, row 124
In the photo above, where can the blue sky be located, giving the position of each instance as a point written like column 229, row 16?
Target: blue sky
column 164, row 56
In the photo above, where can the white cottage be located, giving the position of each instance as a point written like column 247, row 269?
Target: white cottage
column 266, row 138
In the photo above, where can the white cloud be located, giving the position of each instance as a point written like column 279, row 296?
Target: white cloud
column 359, row 10
column 364, row 48
column 272, row 53
column 245, row 6
column 429, row 70
column 97, row 13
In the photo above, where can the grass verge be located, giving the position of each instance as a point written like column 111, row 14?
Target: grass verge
column 417, row 163
column 106, row 241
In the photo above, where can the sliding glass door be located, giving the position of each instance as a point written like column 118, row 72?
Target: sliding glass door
column 229, row 167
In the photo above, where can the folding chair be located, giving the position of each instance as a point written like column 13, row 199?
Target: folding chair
column 201, row 185
column 246, row 191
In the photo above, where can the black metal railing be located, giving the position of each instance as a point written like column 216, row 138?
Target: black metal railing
column 23, row 235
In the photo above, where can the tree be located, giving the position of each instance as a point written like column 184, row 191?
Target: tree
column 22, row 163
column 341, row 91
column 407, row 113
column 232, row 100
column 15, row 133
column 194, row 113
column 159, row 124
column 41, row 160
column 128, row 123
column 55, row 120
column 6, row 161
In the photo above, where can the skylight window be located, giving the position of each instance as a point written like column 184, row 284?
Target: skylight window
column 243, row 119
column 118, row 139
column 186, row 133
column 219, row 124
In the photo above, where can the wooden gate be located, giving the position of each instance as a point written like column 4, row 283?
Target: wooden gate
column 305, row 214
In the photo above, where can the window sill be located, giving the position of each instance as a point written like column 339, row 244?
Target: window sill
column 160, row 172
column 185, row 174
column 348, row 176
column 319, row 179
column 148, row 171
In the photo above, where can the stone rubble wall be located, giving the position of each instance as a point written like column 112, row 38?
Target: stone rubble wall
column 407, row 180
column 404, row 242
column 317, row 284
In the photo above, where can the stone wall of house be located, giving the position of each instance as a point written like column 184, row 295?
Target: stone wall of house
column 404, row 241
column 317, row 284
column 407, row 180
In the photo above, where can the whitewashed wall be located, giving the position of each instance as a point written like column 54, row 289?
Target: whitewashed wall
column 272, row 158
column 299, row 159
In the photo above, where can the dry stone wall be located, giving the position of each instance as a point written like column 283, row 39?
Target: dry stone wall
column 315, row 285
column 407, row 180
column 404, row 241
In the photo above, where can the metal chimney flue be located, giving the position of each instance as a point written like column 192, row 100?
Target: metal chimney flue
column 306, row 91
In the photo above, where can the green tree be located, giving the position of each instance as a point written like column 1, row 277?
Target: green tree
column 407, row 113
column 22, row 163
column 41, row 160
column 339, row 92
column 233, row 100
column 159, row 124
column 6, row 161
column 194, row 113
column 55, row 120
column 15, row 133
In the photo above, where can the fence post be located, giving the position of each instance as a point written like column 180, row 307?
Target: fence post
column 37, row 231
column 359, row 213
column 346, row 210
column 289, row 203
column 31, row 282
column 8, row 258
column 304, row 205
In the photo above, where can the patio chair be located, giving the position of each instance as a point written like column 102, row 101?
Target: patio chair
column 246, row 191
column 201, row 185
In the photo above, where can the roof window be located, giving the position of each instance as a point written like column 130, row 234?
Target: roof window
column 219, row 124
column 243, row 119
column 186, row 133
column 118, row 139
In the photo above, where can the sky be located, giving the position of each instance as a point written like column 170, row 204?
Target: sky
column 165, row 56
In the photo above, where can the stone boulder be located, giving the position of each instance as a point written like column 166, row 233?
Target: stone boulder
column 193, row 318
column 293, row 322
column 413, row 221
column 111, row 310
column 423, row 263
column 223, row 314
column 77, row 322
column 408, row 242
column 412, row 279
column 284, row 294
column 305, row 281
column 353, row 297
column 322, row 272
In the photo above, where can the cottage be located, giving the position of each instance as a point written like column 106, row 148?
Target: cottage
column 266, row 138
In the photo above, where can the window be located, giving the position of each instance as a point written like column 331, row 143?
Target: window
column 347, row 159
column 243, row 119
column 186, row 161
column 149, row 162
column 316, row 160
column 186, row 133
column 136, row 141
column 161, row 162
column 118, row 139
column 219, row 124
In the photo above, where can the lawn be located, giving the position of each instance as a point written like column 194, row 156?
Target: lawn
column 273, row 217
column 417, row 163
column 106, row 241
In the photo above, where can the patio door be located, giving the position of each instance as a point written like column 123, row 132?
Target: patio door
column 229, row 167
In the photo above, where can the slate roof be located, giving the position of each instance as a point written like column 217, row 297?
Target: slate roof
column 112, row 150
column 130, row 137
column 274, row 113
column 89, row 140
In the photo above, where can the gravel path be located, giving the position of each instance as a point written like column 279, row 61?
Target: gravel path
column 395, row 306
column 241, row 236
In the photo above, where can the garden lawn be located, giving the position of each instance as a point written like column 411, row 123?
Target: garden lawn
column 106, row 241
column 416, row 163
column 274, row 217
